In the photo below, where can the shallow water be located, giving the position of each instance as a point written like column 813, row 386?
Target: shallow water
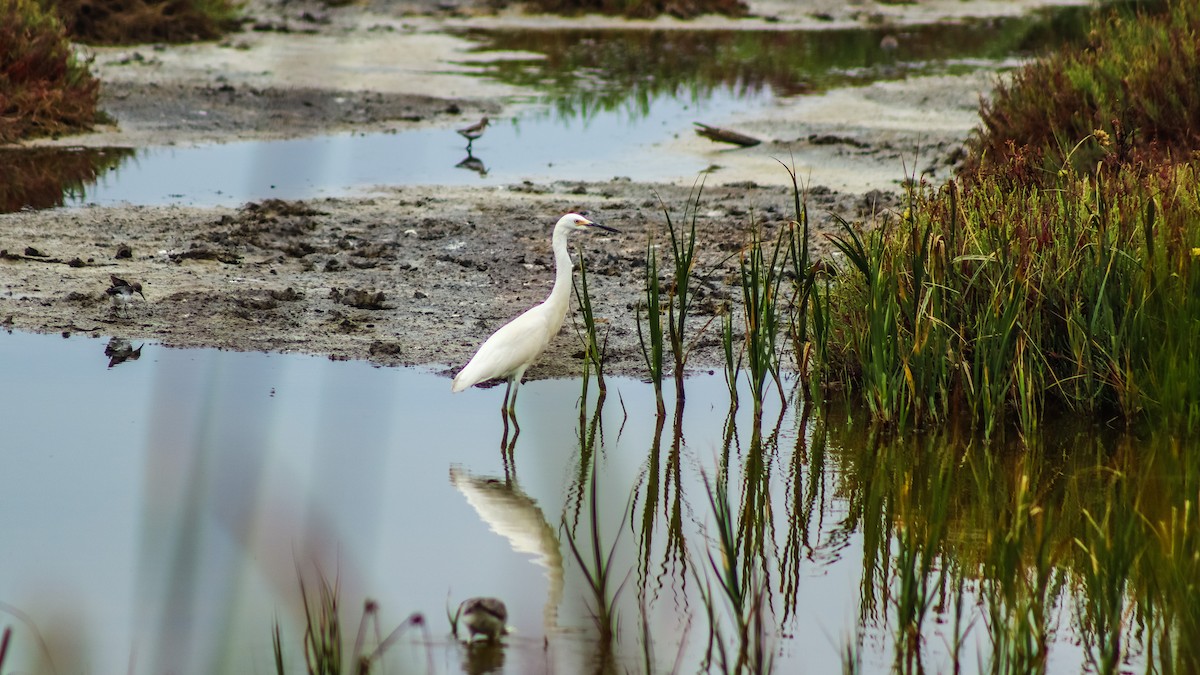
column 606, row 101
column 525, row 148
column 160, row 510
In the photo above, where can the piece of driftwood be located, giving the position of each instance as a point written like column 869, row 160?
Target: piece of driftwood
column 725, row 135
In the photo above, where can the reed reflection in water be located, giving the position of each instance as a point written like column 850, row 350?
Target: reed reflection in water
column 796, row 538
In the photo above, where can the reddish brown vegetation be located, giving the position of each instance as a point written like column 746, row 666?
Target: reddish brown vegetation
column 44, row 91
column 132, row 21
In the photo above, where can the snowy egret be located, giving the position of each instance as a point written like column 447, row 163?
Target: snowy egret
column 518, row 343
column 474, row 131
column 121, row 292
column 485, row 616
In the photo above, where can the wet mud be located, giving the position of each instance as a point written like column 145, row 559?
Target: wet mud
column 417, row 276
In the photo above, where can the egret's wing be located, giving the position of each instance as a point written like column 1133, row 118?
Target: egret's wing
column 516, row 345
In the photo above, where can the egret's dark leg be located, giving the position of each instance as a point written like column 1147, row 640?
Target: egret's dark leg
column 512, row 405
column 504, row 405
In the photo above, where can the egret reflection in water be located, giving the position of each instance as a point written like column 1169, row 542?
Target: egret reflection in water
column 516, row 516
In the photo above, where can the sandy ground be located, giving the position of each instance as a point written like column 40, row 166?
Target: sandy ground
column 422, row 275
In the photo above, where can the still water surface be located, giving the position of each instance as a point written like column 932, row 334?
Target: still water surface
column 157, row 514
column 601, row 104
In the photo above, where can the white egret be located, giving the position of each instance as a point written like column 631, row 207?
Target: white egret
column 518, row 343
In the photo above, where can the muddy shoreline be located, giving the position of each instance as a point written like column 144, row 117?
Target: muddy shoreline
column 414, row 277
column 421, row 275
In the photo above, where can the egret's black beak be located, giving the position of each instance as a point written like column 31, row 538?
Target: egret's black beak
column 606, row 228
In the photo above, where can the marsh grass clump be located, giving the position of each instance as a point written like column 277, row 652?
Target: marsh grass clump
column 1131, row 96
column 1001, row 303
column 111, row 22
column 44, row 89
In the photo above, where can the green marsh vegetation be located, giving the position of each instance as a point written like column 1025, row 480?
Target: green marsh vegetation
column 1054, row 284
column 1060, row 278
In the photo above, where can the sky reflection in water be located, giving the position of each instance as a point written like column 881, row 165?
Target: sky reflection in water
column 163, row 507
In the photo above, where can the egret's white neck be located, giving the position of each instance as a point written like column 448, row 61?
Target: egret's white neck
column 560, row 295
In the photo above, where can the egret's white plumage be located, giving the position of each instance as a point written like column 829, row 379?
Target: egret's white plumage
column 518, row 343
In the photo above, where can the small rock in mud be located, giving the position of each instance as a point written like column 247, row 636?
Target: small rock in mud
column 123, row 251
column 258, row 303
column 81, row 298
column 33, row 252
column 273, row 208
column 200, row 252
column 359, row 299
column 76, row 262
column 288, row 294
column 298, row 249
column 381, row 348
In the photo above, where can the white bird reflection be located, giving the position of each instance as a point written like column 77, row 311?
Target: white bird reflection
column 514, row 515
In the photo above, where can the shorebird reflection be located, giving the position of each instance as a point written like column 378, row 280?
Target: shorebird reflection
column 118, row 351
column 473, row 163
column 514, row 515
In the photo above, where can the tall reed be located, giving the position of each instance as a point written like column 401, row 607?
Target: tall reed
column 651, row 340
column 679, row 300
column 594, row 347
column 761, row 278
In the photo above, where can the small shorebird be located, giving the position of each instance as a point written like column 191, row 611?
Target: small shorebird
column 485, row 616
column 121, row 293
column 474, row 131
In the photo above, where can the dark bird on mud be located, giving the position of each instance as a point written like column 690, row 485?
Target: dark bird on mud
column 473, row 132
column 518, row 343
column 121, row 292
column 485, row 616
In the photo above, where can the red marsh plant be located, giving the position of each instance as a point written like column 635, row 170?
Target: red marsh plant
column 1130, row 96
column 44, row 89
column 134, row 21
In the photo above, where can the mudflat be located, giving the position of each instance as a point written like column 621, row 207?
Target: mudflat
column 421, row 275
